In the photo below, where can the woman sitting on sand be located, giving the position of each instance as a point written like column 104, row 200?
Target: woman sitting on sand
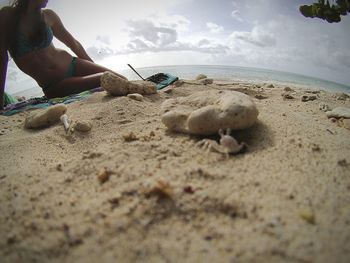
column 26, row 31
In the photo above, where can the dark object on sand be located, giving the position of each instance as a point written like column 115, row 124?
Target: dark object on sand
column 161, row 79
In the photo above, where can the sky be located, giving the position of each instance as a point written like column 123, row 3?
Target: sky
column 269, row 34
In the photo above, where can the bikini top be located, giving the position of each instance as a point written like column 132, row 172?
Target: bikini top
column 24, row 46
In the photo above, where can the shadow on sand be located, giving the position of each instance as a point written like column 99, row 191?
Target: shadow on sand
column 258, row 137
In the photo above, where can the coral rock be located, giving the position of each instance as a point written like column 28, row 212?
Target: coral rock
column 116, row 86
column 206, row 81
column 45, row 117
column 201, row 76
column 339, row 112
column 207, row 112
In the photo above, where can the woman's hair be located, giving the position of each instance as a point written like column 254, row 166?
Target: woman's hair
column 20, row 6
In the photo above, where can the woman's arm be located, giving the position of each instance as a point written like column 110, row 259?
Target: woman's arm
column 4, row 14
column 62, row 34
column 3, row 71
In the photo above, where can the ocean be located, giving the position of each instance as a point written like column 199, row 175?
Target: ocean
column 229, row 73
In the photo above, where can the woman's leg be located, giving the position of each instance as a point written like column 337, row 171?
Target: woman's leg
column 73, row 85
column 87, row 76
column 85, row 67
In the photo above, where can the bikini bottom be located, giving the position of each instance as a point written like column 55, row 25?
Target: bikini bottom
column 71, row 72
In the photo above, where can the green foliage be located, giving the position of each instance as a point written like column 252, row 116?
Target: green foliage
column 324, row 10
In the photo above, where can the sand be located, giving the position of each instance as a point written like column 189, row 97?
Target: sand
column 131, row 191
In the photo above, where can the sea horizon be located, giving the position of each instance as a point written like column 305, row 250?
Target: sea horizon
column 223, row 73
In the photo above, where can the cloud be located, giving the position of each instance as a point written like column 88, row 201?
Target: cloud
column 204, row 46
column 146, row 36
column 98, row 53
column 203, row 42
column 214, row 28
column 258, row 37
column 104, row 39
column 237, row 16
column 101, row 48
column 150, row 34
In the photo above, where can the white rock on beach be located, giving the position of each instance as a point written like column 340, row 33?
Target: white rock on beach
column 203, row 79
column 206, row 112
column 45, row 118
column 339, row 112
column 116, row 86
column 135, row 96
column 201, row 76
column 206, row 81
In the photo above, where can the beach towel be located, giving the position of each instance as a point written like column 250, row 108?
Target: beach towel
column 43, row 102
column 161, row 79
column 9, row 99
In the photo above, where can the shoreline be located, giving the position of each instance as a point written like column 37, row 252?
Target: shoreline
column 130, row 190
column 27, row 94
column 230, row 74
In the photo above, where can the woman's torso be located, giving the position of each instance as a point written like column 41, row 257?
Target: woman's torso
column 46, row 64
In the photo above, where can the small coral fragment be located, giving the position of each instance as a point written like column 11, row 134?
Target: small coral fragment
column 104, row 175
column 130, row 137
column 161, row 189
column 308, row 216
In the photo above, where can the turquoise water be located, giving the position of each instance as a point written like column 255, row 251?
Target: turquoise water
column 224, row 73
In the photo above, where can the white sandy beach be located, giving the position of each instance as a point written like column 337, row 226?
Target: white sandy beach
column 285, row 199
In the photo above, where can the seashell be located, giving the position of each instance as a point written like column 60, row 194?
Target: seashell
column 64, row 120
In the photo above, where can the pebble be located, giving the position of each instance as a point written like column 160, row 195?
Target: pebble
column 260, row 97
column 269, row 86
column 288, row 89
column 324, row 107
column 305, row 98
column 59, row 167
column 129, row 137
column 11, row 238
column 206, row 81
column 135, row 96
column 287, row 96
column 104, row 175
column 83, row 126
column 343, row 163
column 315, row 148
column 308, row 216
